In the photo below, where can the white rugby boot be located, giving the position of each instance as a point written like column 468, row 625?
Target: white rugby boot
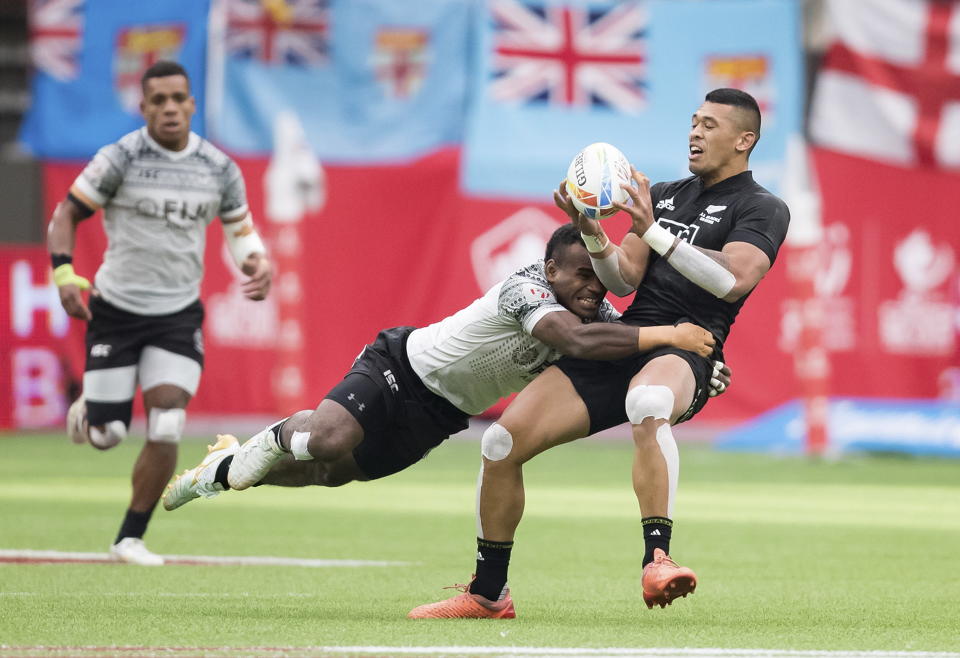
column 133, row 551
column 198, row 481
column 77, row 421
column 254, row 460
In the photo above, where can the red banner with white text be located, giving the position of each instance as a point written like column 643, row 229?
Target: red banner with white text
column 401, row 245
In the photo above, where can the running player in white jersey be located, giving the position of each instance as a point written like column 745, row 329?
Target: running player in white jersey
column 159, row 187
column 412, row 388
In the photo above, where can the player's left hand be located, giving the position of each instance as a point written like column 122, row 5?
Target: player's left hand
column 260, row 271
column 720, row 378
column 641, row 210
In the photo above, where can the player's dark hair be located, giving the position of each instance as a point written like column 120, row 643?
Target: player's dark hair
column 743, row 100
column 563, row 237
column 162, row 69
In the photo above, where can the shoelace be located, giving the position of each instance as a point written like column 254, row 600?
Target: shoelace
column 459, row 586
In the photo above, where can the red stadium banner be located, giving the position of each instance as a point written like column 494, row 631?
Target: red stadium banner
column 37, row 342
column 378, row 256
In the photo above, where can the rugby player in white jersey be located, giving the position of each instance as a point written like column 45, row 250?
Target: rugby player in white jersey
column 159, row 187
column 412, row 388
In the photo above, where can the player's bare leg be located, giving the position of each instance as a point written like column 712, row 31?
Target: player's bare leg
column 157, row 461
column 522, row 432
column 658, row 395
column 326, row 435
column 331, row 435
column 310, row 448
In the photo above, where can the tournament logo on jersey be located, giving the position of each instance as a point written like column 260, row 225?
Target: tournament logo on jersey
column 570, row 55
column 400, row 60
column 749, row 73
column 137, row 49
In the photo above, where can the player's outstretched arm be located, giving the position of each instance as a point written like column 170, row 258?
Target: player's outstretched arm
column 61, row 238
column 605, row 341
column 619, row 267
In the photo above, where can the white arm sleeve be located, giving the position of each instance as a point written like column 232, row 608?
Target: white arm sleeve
column 242, row 240
column 608, row 271
column 689, row 261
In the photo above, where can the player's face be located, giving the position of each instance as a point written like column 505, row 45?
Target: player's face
column 717, row 139
column 167, row 107
column 574, row 282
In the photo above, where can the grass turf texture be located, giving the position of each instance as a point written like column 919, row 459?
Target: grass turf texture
column 791, row 554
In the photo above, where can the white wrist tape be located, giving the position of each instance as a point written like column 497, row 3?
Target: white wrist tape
column 608, row 271
column 595, row 243
column 659, row 239
column 692, row 263
column 243, row 240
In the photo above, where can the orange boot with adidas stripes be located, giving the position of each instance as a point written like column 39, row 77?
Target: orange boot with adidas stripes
column 664, row 580
column 467, row 606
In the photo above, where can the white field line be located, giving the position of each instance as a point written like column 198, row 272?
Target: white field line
column 452, row 652
column 34, row 557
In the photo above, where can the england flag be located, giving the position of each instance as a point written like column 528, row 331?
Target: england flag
column 889, row 87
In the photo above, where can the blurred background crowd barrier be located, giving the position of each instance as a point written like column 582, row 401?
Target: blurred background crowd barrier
column 400, row 158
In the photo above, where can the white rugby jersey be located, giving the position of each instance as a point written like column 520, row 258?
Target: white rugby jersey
column 157, row 205
column 486, row 351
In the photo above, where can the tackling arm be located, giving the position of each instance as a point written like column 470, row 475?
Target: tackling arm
column 566, row 333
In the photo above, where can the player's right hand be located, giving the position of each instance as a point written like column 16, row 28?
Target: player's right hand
column 71, row 298
column 583, row 223
column 693, row 338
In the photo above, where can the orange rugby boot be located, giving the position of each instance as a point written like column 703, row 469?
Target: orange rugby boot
column 664, row 580
column 466, row 606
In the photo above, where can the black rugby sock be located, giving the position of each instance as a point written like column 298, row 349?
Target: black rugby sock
column 222, row 470
column 276, row 430
column 656, row 534
column 493, row 558
column 134, row 525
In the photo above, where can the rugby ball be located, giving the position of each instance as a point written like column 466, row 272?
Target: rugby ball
column 594, row 178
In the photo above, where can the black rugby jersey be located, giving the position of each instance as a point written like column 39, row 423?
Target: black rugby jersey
column 736, row 209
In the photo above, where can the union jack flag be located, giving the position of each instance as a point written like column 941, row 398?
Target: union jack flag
column 56, row 27
column 279, row 31
column 569, row 55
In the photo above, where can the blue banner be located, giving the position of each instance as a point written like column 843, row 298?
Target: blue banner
column 920, row 427
column 89, row 57
column 369, row 80
column 556, row 75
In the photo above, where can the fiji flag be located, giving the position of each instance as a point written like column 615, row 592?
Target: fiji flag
column 88, row 58
column 370, row 80
column 557, row 75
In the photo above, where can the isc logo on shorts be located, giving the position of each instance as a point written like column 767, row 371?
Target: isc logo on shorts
column 391, row 381
column 100, row 350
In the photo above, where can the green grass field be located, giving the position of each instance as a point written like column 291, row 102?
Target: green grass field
column 860, row 554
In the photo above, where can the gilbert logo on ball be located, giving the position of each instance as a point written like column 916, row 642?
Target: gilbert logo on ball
column 594, row 178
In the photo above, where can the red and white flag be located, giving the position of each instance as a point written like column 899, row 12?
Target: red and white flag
column 889, row 86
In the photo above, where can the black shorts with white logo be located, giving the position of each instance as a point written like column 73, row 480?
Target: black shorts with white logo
column 603, row 385
column 402, row 419
column 116, row 337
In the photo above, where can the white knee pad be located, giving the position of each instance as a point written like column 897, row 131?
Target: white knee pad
column 113, row 433
column 166, row 425
column 496, row 443
column 645, row 401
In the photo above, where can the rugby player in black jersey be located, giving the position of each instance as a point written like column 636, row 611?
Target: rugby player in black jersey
column 697, row 248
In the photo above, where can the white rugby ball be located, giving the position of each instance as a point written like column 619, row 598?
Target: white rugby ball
column 594, row 179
